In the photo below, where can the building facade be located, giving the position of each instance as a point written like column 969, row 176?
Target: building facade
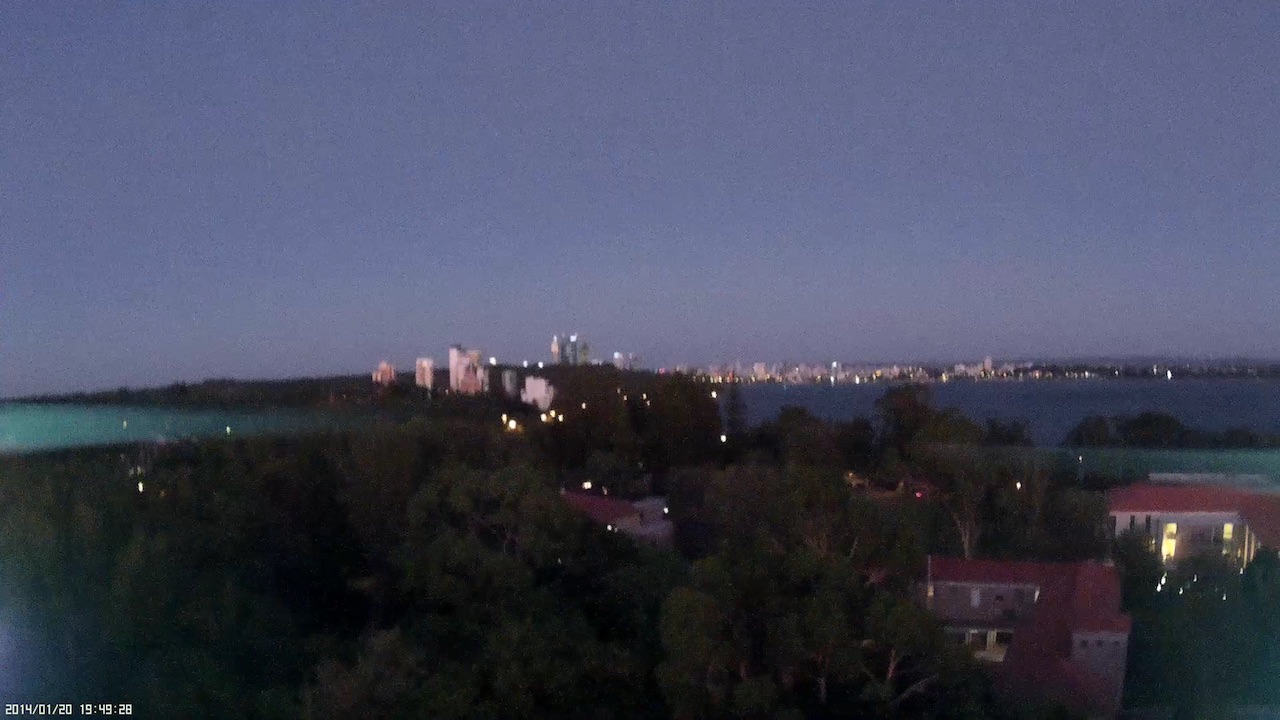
column 537, row 391
column 1050, row 632
column 385, row 374
column 424, row 373
column 467, row 375
column 1185, row 521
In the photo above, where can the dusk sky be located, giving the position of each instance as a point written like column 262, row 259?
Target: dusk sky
column 272, row 189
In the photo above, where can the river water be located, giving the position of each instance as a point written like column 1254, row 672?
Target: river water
column 33, row 428
column 1049, row 407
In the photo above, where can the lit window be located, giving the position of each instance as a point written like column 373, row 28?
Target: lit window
column 1169, row 546
column 1227, row 530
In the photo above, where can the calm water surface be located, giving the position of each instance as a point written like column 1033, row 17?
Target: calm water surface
column 31, row 428
column 1050, row 408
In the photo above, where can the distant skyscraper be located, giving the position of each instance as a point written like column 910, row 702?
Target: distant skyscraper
column 466, row 375
column 424, row 373
column 571, row 351
column 987, row 364
column 385, row 374
column 759, row 372
column 509, row 387
column 539, row 392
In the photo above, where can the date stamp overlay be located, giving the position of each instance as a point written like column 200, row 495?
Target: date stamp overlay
column 67, row 709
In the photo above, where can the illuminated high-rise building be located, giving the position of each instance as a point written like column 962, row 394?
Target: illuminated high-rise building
column 466, row 373
column 385, row 374
column 424, row 373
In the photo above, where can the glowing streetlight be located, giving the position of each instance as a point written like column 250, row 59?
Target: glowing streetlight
column 724, row 438
column 586, row 484
column 713, row 394
column 543, row 417
column 511, row 424
column 584, row 406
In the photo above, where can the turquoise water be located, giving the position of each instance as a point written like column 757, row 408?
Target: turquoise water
column 32, row 428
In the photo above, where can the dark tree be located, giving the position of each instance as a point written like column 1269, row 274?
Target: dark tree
column 903, row 411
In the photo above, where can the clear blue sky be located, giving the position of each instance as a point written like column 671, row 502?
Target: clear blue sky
column 270, row 188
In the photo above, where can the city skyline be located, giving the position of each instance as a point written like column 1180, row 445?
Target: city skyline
column 261, row 191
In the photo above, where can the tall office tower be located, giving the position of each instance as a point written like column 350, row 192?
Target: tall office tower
column 424, row 373
column 466, row 375
column 572, row 349
column 555, row 348
column 987, row 364
column 457, row 360
column 385, row 374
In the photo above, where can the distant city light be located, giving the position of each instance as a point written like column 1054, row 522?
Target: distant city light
column 584, row 406
column 504, row 418
column 543, row 417
column 1017, row 485
column 586, row 484
column 125, row 425
column 139, row 486
column 493, row 361
column 511, row 423
column 666, row 511
column 228, row 429
column 525, row 363
column 609, row 528
column 713, row 394
column 539, row 363
column 724, row 438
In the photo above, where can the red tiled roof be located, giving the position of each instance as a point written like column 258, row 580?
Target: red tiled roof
column 1095, row 601
column 1260, row 511
column 600, row 508
column 995, row 572
column 1074, row 597
column 1177, row 498
column 1088, row 592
